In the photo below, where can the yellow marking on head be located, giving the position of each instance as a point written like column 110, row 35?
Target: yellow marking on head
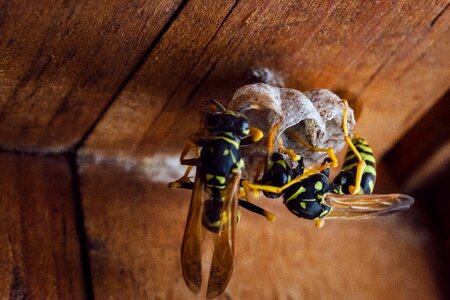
column 303, row 205
column 318, row 186
column 209, row 176
column 226, row 152
column 299, row 191
column 247, row 131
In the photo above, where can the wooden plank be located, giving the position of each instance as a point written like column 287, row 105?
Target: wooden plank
column 158, row 81
column 341, row 46
column 411, row 152
column 347, row 47
column 62, row 62
column 135, row 228
column 39, row 249
column 411, row 81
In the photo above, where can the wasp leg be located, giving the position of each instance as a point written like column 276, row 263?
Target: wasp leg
column 330, row 152
column 319, row 223
column 272, row 135
column 188, row 185
column 361, row 163
column 257, row 209
column 189, row 162
column 291, row 153
column 278, row 190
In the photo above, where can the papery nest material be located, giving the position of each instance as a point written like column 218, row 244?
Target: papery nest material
column 316, row 116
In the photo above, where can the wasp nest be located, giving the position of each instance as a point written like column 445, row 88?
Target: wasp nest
column 315, row 116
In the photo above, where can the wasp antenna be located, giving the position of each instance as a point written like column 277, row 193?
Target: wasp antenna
column 216, row 105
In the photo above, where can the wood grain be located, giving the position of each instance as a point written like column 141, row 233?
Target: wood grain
column 354, row 48
column 135, row 228
column 62, row 62
column 39, row 253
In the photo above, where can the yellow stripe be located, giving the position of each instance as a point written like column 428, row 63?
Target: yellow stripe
column 364, row 156
column 234, row 143
column 367, row 169
column 232, row 157
column 221, row 179
column 371, row 170
column 360, row 140
column 364, row 148
column 299, row 191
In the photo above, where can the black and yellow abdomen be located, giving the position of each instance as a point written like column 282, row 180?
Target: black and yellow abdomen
column 347, row 176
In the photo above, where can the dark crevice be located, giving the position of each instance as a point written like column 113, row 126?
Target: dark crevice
column 138, row 65
column 81, row 230
column 433, row 22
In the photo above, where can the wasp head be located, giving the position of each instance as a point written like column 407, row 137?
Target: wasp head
column 227, row 121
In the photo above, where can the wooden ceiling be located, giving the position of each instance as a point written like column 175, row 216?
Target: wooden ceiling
column 90, row 90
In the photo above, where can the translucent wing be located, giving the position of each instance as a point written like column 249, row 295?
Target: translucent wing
column 191, row 260
column 366, row 206
column 223, row 257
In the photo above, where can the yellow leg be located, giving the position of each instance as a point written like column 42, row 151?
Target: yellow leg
column 319, row 223
column 272, row 135
column 330, row 152
column 277, row 190
column 291, row 153
column 361, row 163
column 188, row 162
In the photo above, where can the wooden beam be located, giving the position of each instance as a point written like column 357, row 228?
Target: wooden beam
column 61, row 63
column 135, row 228
column 39, row 246
column 421, row 142
column 334, row 45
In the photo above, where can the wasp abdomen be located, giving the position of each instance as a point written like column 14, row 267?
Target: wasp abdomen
column 347, row 176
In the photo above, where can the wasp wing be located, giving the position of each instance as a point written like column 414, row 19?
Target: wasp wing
column 366, row 206
column 191, row 260
column 223, row 257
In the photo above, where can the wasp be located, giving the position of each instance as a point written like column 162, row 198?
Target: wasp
column 310, row 195
column 218, row 175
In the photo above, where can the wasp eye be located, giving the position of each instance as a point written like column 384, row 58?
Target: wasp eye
column 245, row 127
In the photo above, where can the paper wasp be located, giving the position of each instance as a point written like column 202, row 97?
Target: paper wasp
column 218, row 174
column 310, row 195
